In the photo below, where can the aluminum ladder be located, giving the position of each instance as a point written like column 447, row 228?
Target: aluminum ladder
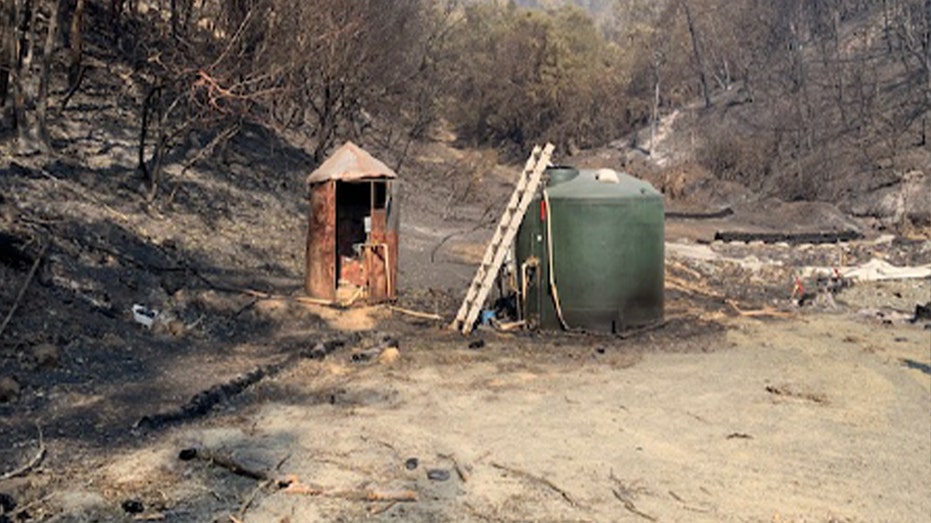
column 501, row 241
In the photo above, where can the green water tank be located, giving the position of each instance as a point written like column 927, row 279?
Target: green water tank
column 607, row 250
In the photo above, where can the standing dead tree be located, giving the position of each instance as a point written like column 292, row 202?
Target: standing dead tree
column 697, row 50
column 75, row 53
column 359, row 64
column 14, row 66
column 186, row 94
column 24, row 99
column 152, row 110
column 45, row 73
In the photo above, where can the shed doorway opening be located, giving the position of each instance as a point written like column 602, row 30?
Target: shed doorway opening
column 363, row 250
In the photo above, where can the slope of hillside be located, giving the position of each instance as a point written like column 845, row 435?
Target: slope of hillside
column 837, row 111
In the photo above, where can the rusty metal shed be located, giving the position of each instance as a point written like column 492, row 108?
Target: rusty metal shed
column 352, row 235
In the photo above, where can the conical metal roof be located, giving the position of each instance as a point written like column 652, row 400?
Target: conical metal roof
column 350, row 163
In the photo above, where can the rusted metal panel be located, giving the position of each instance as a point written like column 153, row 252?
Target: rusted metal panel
column 352, row 272
column 391, row 238
column 350, row 163
column 378, row 260
column 321, row 241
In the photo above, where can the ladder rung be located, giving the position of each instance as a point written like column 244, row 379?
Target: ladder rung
column 504, row 234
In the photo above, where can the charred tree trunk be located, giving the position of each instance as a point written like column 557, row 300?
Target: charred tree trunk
column 27, row 34
column 926, row 48
column 697, row 50
column 654, row 117
column 151, row 110
column 174, row 17
column 44, row 80
column 116, row 19
column 75, row 53
column 18, row 91
column 926, row 44
column 76, row 50
column 7, row 47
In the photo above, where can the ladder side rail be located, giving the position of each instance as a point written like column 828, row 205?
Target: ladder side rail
column 487, row 259
column 500, row 250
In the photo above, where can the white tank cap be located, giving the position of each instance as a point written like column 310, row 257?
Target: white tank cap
column 607, row 176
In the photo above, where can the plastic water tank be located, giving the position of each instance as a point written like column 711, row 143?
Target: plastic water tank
column 607, row 252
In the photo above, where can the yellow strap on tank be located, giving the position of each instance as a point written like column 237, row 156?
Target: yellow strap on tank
column 551, row 266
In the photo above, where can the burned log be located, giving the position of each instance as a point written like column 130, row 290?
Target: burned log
column 204, row 401
column 723, row 213
column 792, row 238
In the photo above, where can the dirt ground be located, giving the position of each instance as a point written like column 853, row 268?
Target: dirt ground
column 820, row 417
column 742, row 406
column 820, row 422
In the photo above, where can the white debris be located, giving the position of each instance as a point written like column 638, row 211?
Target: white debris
column 144, row 315
column 874, row 270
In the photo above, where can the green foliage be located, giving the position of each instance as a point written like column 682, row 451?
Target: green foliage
column 519, row 76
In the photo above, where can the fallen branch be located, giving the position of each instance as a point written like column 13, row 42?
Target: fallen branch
column 225, row 461
column 481, row 224
column 626, row 335
column 540, row 480
column 260, row 487
column 509, row 326
column 686, row 505
column 416, row 314
column 155, row 516
column 788, row 392
column 682, row 285
column 461, row 470
column 625, row 492
column 673, row 263
column 765, row 311
column 31, row 464
column 22, row 290
column 278, row 297
column 629, row 505
column 248, row 502
column 296, row 487
column 375, row 495
column 381, row 510
column 394, row 496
